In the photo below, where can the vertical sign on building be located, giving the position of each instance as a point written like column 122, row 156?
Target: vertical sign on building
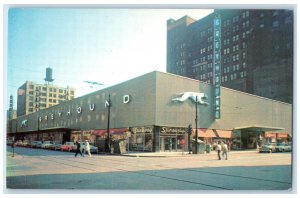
column 217, row 66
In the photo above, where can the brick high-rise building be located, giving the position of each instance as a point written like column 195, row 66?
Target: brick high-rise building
column 256, row 50
column 33, row 97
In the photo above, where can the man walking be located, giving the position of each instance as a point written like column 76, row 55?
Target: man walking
column 218, row 148
column 225, row 150
column 87, row 147
column 78, row 149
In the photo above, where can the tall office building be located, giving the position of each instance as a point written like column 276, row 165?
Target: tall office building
column 33, row 97
column 11, row 112
column 256, row 50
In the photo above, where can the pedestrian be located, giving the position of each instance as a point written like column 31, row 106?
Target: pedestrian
column 218, row 149
column 225, row 150
column 78, row 149
column 87, row 147
column 13, row 148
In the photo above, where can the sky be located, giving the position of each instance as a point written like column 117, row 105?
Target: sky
column 108, row 46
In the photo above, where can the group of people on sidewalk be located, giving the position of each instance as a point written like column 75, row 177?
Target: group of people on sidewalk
column 87, row 148
column 224, row 148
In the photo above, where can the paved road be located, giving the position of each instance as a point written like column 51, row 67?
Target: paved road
column 44, row 169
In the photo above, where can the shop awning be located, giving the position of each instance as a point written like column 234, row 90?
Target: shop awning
column 270, row 135
column 224, row 133
column 282, row 135
column 119, row 131
column 208, row 133
column 259, row 128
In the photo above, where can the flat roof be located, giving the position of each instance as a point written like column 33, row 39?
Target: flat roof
column 259, row 128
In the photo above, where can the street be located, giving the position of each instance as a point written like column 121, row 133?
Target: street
column 45, row 169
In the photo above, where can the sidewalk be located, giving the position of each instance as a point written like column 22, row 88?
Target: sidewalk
column 178, row 154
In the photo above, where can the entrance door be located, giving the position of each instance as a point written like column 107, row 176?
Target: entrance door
column 168, row 143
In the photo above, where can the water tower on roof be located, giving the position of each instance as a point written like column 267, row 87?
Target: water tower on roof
column 49, row 78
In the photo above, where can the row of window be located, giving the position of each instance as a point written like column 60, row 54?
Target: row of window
column 235, row 67
column 39, row 88
column 233, row 76
column 235, row 19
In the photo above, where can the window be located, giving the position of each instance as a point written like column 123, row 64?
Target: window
column 275, row 13
column 288, row 19
column 275, row 23
column 247, row 13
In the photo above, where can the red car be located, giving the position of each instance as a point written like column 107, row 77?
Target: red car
column 68, row 146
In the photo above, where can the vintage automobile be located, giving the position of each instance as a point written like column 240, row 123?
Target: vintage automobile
column 282, row 147
column 9, row 142
column 268, row 147
column 56, row 146
column 33, row 144
column 68, row 146
column 47, row 144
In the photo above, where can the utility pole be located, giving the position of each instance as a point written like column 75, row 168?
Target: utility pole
column 108, row 105
column 196, row 125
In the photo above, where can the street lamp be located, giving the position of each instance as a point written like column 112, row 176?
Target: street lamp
column 196, row 120
column 108, row 105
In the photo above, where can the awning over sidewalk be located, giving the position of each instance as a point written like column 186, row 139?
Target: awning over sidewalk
column 259, row 128
column 101, row 132
column 224, row 133
column 272, row 134
column 208, row 133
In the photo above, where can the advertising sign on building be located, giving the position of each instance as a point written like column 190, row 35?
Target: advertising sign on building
column 217, row 66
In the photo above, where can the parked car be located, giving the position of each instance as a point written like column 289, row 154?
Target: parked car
column 68, row 146
column 33, row 144
column 25, row 143
column 268, row 147
column 47, row 144
column 93, row 149
column 39, row 144
column 56, row 146
column 19, row 143
column 9, row 142
column 282, row 147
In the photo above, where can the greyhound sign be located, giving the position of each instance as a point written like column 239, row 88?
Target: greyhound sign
column 192, row 95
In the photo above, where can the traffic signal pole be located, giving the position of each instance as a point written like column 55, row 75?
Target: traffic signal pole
column 196, row 147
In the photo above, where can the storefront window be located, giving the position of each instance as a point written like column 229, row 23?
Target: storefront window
column 141, row 139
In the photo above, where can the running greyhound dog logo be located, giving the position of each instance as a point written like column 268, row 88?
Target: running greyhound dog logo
column 192, row 95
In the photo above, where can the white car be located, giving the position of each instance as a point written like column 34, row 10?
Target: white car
column 47, row 144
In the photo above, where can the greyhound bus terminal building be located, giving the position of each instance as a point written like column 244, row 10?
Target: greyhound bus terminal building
column 152, row 112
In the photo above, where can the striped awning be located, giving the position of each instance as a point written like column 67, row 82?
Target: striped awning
column 224, row 133
column 208, row 133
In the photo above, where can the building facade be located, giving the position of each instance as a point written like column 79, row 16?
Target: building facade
column 152, row 113
column 256, row 50
column 33, row 97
